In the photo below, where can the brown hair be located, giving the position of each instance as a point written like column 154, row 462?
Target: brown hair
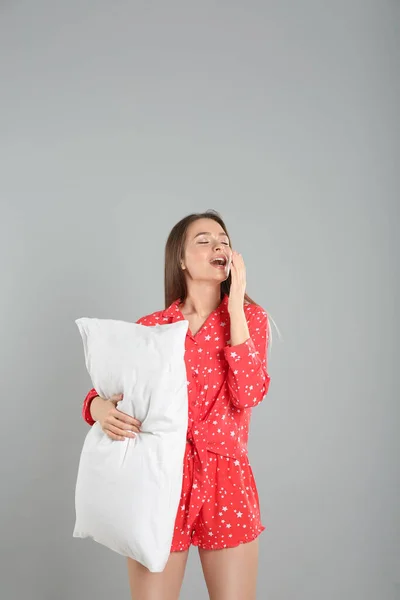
column 174, row 279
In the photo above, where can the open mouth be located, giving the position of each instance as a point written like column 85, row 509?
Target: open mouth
column 219, row 262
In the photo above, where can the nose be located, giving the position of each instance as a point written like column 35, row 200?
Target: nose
column 218, row 246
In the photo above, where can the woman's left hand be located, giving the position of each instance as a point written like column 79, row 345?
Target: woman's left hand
column 238, row 283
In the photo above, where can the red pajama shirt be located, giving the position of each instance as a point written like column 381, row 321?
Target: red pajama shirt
column 219, row 506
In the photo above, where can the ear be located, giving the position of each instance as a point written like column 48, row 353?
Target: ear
column 182, row 266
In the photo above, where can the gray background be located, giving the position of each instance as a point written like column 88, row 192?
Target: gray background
column 119, row 118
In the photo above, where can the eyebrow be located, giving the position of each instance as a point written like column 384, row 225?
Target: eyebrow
column 209, row 233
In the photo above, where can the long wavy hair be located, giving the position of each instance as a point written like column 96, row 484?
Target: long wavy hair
column 174, row 279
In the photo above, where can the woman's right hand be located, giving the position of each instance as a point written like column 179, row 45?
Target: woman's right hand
column 115, row 423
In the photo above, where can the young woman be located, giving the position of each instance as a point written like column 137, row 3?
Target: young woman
column 226, row 362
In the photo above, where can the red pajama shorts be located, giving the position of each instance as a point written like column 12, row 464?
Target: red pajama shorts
column 218, row 508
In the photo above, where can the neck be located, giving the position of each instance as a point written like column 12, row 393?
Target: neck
column 202, row 300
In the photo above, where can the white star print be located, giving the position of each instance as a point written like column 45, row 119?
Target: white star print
column 220, row 407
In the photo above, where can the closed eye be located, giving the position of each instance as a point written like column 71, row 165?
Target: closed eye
column 207, row 241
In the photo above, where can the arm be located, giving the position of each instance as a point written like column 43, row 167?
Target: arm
column 248, row 379
column 93, row 401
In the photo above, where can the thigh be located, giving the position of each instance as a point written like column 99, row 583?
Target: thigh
column 145, row 585
column 231, row 573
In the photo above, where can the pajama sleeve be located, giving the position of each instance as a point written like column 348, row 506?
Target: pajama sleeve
column 248, row 379
column 86, row 407
column 92, row 394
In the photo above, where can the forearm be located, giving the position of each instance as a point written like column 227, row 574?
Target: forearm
column 91, row 407
column 96, row 407
column 247, row 377
column 239, row 327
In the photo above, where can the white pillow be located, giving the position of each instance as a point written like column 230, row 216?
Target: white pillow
column 127, row 492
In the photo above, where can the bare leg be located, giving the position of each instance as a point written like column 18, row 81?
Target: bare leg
column 231, row 573
column 157, row 586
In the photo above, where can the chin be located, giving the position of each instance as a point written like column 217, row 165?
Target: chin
column 223, row 277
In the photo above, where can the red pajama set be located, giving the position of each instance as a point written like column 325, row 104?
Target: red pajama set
column 219, row 506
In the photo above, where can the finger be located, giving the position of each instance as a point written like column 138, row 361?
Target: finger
column 116, row 397
column 123, row 426
column 117, row 431
column 121, row 416
column 239, row 267
column 112, row 436
column 114, row 419
column 126, row 423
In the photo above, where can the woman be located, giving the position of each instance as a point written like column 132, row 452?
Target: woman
column 226, row 362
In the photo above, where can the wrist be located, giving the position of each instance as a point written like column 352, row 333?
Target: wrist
column 236, row 309
column 96, row 407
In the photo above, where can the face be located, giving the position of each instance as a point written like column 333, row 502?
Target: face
column 207, row 254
